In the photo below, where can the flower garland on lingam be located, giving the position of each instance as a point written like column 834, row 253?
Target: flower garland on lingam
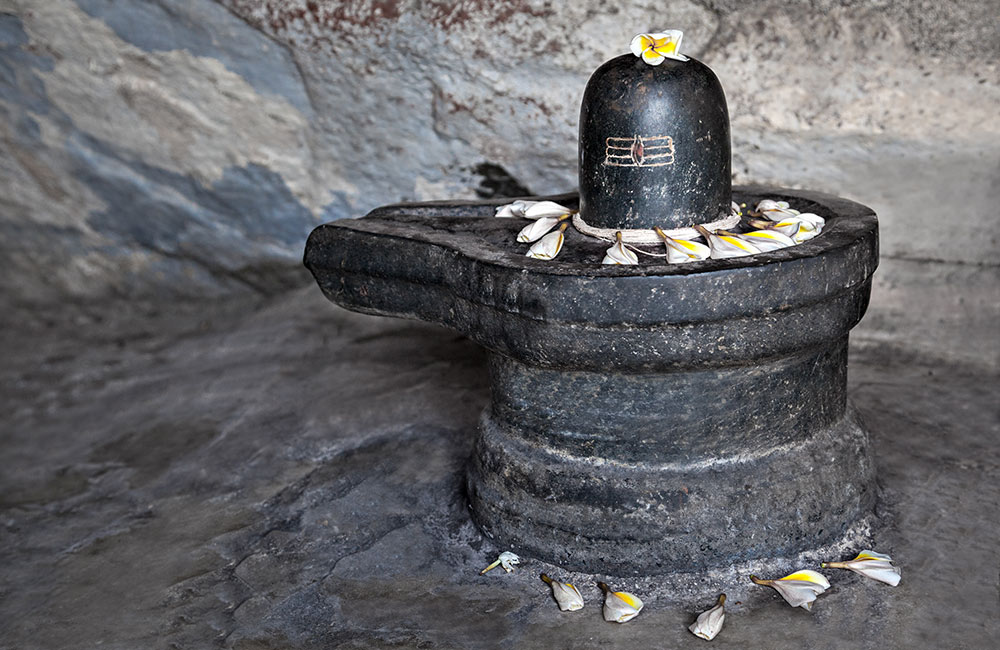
column 782, row 226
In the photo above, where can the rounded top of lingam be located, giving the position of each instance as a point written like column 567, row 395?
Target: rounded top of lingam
column 654, row 140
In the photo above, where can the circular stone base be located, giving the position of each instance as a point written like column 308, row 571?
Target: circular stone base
column 644, row 419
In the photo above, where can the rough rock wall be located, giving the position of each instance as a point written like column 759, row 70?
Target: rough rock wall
column 188, row 146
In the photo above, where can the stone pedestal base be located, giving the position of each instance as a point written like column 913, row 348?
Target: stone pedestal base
column 644, row 419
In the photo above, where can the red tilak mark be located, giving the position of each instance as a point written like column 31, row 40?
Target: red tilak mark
column 637, row 151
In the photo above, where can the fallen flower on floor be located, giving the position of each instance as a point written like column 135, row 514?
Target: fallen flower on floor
column 619, row 606
column 539, row 228
column 567, row 596
column 548, row 246
column 618, row 254
column 870, row 564
column 726, row 246
column 506, row 561
column 799, row 589
column 680, row 251
column 710, row 622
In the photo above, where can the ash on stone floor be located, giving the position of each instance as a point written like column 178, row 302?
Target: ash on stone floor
column 281, row 473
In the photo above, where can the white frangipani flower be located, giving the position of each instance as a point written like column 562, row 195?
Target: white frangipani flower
column 775, row 210
column 539, row 209
column 538, row 228
column 548, row 246
column 653, row 48
column 619, row 606
column 799, row 589
column 810, row 225
column 710, row 622
column 763, row 240
column 618, row 254
column 726, row 246
column 515, row 209
column 532, row 209
column 506, row 561
column 567, row 596
column 683, row 250
column 871, row 565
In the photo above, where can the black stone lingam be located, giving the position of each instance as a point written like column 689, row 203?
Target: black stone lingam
column 651, row 418
column 654, row 145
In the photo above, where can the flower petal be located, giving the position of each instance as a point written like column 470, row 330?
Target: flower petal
column 709, row 622
column 870, row 564
column 539, row 209
column 638, row 44
column 537, row 229
column 680, row 251
column 619, row 254
column 651, row 57
column 548, row 246
column 800, row 588
column 767, row 240
column 567, row 596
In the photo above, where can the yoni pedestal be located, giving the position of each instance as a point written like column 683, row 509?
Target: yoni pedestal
column 643, row 419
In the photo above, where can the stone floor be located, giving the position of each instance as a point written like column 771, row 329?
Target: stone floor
column 280, row 473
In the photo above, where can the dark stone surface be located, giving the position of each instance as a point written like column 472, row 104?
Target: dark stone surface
column 287, row 474
column 654, row 145
column 644, row 418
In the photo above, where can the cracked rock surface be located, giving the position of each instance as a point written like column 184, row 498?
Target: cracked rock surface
column 280, row 473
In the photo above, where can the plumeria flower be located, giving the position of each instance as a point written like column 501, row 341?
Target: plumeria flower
column 532, row 209
column 653, row 48
column 735, row 208
column 709, row 622
column 683, row 250
column 799, row 589
column 726, row 246
column 763, row 240
column 567, row 596
column 871, row 565
column 506, row 561
column 775, row 210
column 810, row 225
column 619, row 606
column 618, row 254
column 548, row 246
column 515, row 209
column 538, row 228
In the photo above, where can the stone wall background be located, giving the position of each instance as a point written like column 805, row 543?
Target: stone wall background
column 186, row 148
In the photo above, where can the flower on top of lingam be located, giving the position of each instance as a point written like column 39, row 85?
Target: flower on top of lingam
column 548, row 246
column 710, row 621
column 870, row 564
column 567, row 596
column 799, row 589
column 619, row 606
column 683, row 250
column 653, row 48
column 506, row 561
column 619, row 254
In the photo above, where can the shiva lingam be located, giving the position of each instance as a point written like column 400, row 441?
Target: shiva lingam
column 646, row 416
